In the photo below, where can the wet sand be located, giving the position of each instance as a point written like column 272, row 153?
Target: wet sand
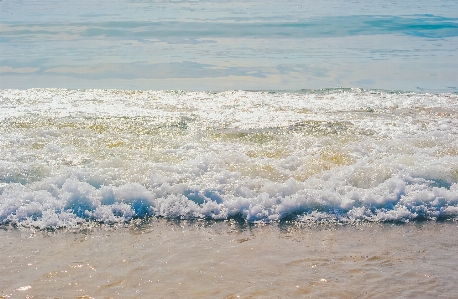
column 163, row 259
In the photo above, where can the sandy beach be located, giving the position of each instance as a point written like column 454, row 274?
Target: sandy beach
column 163, row 259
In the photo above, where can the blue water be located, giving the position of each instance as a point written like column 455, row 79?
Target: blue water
column 219, row 45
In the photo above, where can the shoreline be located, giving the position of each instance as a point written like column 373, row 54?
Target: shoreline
column 196, row 260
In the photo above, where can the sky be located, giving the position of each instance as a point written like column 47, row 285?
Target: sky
column 225, row 45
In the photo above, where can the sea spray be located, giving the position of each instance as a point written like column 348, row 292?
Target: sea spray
column 71, row 156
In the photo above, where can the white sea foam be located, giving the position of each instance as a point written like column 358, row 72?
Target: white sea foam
column 69, row 156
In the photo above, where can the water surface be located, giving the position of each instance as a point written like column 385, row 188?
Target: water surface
column 219, row 45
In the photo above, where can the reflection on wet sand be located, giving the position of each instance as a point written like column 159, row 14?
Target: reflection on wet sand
column 230, row 259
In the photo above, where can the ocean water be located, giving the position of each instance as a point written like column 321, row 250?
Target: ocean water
column 344, row 155
column 218, row 45
column 241, row 149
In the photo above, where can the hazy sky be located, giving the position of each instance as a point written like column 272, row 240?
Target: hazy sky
column 219, row 45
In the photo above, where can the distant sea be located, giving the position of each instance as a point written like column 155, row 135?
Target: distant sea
column 229, row 45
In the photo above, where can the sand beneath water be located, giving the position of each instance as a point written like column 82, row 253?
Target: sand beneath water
column 162, row 259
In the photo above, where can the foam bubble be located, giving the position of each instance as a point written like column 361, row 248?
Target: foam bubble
column 340, row 155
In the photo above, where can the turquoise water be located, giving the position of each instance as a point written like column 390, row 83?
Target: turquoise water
column 219, row 45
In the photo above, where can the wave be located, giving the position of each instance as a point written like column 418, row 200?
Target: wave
column 110, row 156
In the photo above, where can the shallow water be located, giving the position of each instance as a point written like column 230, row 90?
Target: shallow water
column 227, row 260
